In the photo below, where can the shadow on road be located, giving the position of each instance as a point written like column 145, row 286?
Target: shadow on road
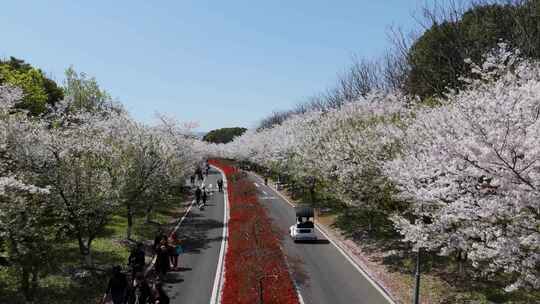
column 297, row 269
column 195, row 233
column 316, row 242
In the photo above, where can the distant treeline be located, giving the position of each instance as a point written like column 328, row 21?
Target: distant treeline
column 223, row 135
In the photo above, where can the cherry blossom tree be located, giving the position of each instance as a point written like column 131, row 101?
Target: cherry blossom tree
column 26, row 226
column 65, row 173
column 78, row 155
column 460, row 175
column 469, row 170
column 135, row 169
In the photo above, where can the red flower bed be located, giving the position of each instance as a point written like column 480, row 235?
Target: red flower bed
column 255, row 268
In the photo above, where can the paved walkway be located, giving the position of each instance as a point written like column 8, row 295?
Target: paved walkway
column 201, row 231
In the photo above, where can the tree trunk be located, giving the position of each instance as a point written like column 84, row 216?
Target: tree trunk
column 25, row 284
column 129, row 221
column 34, row 284
column 148, row 213
column 370, row 222
column 88, row 260
column 462, row 258
column 312, row 194
column 85, row 252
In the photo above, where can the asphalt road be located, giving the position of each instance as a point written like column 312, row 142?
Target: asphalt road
column 321, row 272
column 202, row 232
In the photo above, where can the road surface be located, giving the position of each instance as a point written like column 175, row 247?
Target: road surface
column 202, row 232
column 322, row 273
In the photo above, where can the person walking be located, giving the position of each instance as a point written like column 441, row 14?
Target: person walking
column 163, row 262
column 136, row 259
column 174, row 251
column 199, row 173
column 220, row 185
column 160, row 296
column 198, row 194
column 160, row 236
column 204, row 197
column 117, row 287
column 141, row 293
column 192, row 179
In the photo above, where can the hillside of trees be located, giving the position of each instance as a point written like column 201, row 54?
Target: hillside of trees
column 39, row 90
column 223, row 135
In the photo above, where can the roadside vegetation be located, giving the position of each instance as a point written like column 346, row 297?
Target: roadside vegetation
column 77, row 174
column 66, row 282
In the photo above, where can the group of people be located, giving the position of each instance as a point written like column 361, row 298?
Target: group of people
column 201, row 194
column 167, row 252
column 199, row 173
column 201, row 197
column 138, row 289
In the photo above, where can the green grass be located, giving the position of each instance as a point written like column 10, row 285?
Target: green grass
column 109, row 249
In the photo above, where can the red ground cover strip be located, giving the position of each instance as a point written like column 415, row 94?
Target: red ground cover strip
column 255, row 270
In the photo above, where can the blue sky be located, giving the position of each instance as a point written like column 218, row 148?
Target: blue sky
column 221, row 63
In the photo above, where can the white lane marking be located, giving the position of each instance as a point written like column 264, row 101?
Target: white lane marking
column 345, row 254
column 256, row 185
column 154, row 257
column 217, row 289
column 187, row 212
column 296, row 287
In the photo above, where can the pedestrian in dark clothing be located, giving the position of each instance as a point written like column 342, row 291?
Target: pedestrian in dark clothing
column 136, row 259
column 220, row 185
column 141, row 293
column 163, row 262
column 192, row 179
column 204, row 197
column 117, row 287
column 198, row 194
column 174, row 252
column 160, row 296
column 157, row 240
column 199, row 173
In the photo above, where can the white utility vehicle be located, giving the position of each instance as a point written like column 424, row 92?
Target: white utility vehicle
column 304, row 229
